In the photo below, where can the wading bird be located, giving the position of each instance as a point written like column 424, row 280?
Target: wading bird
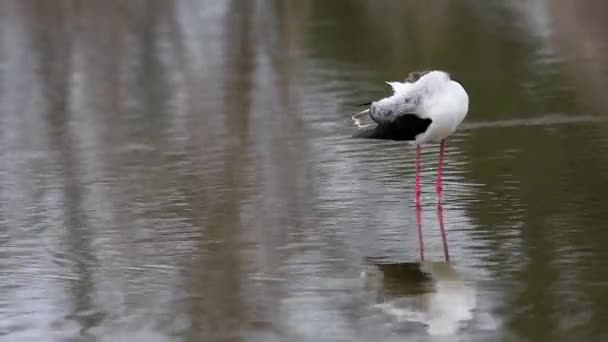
column 426, row 108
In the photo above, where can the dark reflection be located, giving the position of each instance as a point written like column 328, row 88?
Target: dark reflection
column 220, row 312
column 183, row 170
column 399, row 279
column 580, row 30
column 49, row 29
column 429, row 297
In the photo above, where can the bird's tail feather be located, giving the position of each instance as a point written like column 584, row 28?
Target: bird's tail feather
column 363, row 120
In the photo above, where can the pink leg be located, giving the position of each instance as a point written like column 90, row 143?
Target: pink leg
column 439, row 184
column 420, row 239
column 439, row 188
column 418, row 152
column 418, row 206
column 444, row 240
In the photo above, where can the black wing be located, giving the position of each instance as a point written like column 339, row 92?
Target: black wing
column 404, row 127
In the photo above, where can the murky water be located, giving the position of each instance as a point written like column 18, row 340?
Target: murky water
column 184, row 171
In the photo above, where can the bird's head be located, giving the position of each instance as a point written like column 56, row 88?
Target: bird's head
column 387, row 109
column 380, row 112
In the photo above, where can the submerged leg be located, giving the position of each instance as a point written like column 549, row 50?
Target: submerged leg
column 418, row 206
column 420, row 238
column 439, row 184
column 439, row 188
column 444, row 239
column 418, row 152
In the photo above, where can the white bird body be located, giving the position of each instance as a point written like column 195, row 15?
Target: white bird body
column 447, row 106
column 426, row 108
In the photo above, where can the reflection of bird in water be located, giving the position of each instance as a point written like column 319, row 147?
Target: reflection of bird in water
column 431, row 293
column 426, row 108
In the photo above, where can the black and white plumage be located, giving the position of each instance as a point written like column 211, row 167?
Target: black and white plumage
column 427, row 107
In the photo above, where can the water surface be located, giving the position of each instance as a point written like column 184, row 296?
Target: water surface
column 184, row 171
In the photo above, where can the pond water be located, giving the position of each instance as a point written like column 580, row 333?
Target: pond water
column 183, row 171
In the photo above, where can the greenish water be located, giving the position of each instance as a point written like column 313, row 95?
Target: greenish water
column 184, row 171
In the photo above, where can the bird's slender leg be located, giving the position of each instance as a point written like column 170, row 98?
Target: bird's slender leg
column 418, row 206
column 439, row 188
column 418, row 153
column 439, row 184
column 420, row 238
column 444, row 240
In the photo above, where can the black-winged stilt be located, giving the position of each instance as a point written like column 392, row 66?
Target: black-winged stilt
column 426, row 108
